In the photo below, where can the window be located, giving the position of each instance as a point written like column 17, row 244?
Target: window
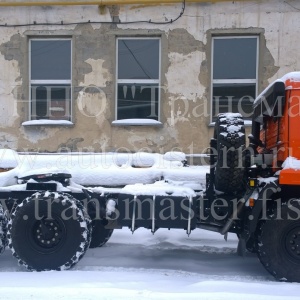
column 138, row 78
column 234, row 74
column 50, row 79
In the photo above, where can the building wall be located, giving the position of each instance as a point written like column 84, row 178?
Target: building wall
column 185, row 70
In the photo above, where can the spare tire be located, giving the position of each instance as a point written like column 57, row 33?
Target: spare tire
column 229, row 169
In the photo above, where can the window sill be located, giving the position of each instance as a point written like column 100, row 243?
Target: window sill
column 47, row 123
column 136, row 122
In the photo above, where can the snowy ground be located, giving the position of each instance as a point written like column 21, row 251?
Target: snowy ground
column 168, row 265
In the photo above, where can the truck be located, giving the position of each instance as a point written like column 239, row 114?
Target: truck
column 252, row 190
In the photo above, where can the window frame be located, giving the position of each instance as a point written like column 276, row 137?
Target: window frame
column 138, row 81
column 232, row 81
column 58, row 82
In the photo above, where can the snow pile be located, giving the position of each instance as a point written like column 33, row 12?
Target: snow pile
column 258, row 100
column 41, row 171
column 174, row 156
column 8, row 178
column 159, row 188
column 46, row 122
column 8, row 158
column 291, row 163
column 109, row 169
column 137, row 122
column 292, row 77
column 267, row 180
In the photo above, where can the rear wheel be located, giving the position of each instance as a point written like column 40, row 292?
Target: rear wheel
column 48, row 231
column 100, row 235
column 279, row 243
column 230, row 136
column 3, row 229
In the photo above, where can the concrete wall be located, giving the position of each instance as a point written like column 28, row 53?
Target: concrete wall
column 185, row 70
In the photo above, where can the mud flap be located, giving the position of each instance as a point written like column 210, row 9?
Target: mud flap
column 241, row 248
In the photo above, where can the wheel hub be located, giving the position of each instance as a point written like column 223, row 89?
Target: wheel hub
column 47, row 233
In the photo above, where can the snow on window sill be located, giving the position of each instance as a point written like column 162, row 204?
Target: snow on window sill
column 136, row 122
column 247, row 123
column 47, row 122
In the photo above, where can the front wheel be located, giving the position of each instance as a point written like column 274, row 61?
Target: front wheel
column 48, row 231
column 279, row 243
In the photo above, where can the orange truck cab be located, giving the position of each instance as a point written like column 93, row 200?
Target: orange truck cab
column 276, row 126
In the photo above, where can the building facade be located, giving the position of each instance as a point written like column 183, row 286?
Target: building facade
column 137, row 77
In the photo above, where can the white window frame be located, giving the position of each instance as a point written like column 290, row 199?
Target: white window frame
column 228, row 81
column 137, row 81
column 41, row 82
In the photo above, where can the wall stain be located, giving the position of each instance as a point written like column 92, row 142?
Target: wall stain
column 181, row 41
column 70, row 145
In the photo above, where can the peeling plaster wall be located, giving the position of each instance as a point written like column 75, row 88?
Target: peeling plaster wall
column 185, row 70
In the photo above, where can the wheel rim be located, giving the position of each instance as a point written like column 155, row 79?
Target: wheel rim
column 292, row 243
column 46, row 235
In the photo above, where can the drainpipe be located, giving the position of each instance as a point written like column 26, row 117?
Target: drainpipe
column 101, row 2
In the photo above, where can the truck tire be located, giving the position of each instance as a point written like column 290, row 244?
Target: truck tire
column 88, row 222
column 229, row 169
column 279, row 244
column 48, row 231
column 3, row 230
column 100, row 235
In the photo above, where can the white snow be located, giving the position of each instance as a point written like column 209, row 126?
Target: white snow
column 159, row 188
column 267, row 180
column 8, row 158
column 110, row 207
column 229, row 115
column 42, row 171
column 292, row 77
column 174, row 156
column 258, row 98
column 291, row 163
column 233, row 128
column 46, row 122
column 166, row 265
column 109, row 169
column 141, row 122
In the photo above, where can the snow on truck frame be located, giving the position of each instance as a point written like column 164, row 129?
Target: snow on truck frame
column 49, row 218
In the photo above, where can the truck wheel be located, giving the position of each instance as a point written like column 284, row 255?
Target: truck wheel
column 279, row 245
column 100, row 235
column 230, row 135
column 3, row 230
column 48, row 231
column 88, row 222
